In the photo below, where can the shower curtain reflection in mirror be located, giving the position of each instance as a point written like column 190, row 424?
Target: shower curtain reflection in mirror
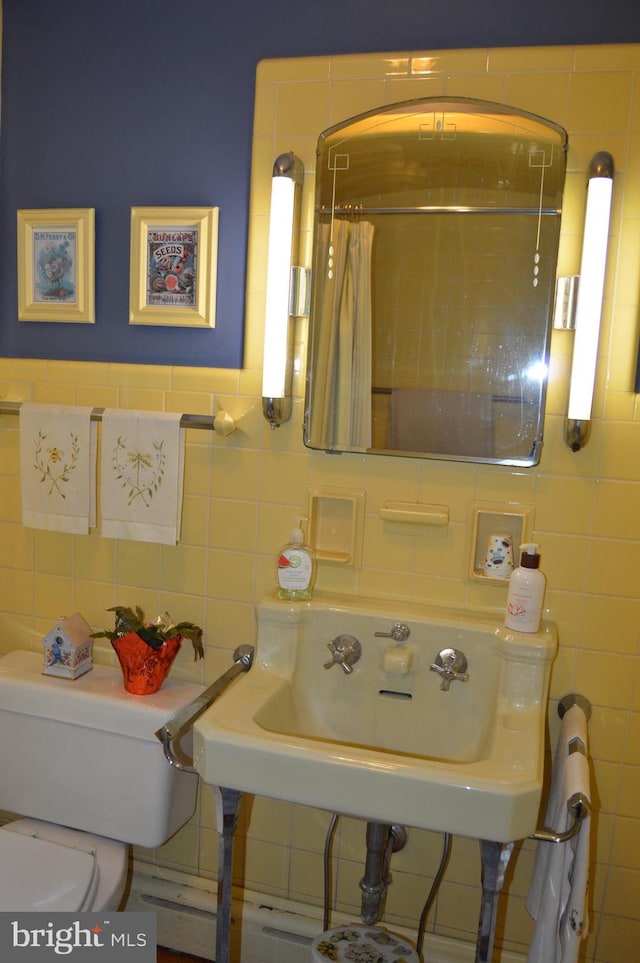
column 341, row 404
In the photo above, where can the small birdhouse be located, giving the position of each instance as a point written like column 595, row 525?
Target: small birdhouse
column 68, row 648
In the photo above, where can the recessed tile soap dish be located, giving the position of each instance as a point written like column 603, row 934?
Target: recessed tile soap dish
column 336, row 523
column 489, row 519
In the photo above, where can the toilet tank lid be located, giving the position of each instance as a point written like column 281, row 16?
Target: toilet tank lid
column 96, row 699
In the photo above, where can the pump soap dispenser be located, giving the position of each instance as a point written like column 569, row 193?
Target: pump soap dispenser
column 526, row 592
column 295, row 566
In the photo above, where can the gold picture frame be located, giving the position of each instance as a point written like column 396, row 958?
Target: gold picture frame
column 173, row 266
column 56, row 265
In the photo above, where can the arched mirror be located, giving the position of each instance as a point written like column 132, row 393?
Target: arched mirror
column 435, row 243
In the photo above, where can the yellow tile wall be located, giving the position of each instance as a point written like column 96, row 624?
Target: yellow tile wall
column 241, row 493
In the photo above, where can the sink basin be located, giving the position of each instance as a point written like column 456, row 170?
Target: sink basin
column 384, row 742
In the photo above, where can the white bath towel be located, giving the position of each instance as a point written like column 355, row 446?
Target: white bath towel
column 558, row 895
column 141, row 476
column 58, row 467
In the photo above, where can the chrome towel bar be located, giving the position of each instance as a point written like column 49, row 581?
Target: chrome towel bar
column 173, row 730
column 222, row 422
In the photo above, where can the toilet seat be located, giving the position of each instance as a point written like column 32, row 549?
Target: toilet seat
column 60, row 868
column 39, row 875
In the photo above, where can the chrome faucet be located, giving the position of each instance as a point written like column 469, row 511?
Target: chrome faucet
column 345, row 651
column 400, row 632
column 451, row 666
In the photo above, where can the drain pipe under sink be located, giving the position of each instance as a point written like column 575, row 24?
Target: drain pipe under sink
column 382, row 840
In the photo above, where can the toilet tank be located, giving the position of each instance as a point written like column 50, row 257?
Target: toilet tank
column 83, row 753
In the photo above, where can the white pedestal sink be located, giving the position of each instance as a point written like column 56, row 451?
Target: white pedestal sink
column 387, row 746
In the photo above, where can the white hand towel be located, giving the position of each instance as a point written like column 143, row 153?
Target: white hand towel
column 141, row 476
column 558, row 895
column 58, row 467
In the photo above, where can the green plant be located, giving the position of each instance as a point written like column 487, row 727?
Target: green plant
column 153, row 633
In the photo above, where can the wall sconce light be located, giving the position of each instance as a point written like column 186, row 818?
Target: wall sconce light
column 589, row 300
column 277, row 365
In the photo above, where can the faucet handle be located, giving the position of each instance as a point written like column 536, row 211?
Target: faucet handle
column 451, row 666
column 345, row 651
column 400, row 632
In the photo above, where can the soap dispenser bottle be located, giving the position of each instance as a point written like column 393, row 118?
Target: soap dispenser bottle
column 526, row 592
column 295, row 566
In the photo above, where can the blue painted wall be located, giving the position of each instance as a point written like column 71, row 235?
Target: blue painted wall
column 116, row 103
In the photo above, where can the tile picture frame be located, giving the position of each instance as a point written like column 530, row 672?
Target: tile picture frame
column 56, row 265
column 173, row 266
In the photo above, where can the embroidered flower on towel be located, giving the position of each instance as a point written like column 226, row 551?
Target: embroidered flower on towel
column 140, row 472
column 53, row 464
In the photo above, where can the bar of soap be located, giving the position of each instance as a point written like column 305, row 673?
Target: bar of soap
column 397, row 659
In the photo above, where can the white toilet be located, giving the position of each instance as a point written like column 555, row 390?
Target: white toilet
column 81, row 760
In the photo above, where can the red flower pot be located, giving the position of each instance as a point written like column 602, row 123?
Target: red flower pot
column 144, row 669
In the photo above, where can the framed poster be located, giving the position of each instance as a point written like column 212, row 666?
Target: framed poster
column 56, row 251
column 173, row 266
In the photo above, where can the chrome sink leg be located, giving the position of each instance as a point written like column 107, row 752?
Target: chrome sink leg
column 495, row 859
column 227, row 806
